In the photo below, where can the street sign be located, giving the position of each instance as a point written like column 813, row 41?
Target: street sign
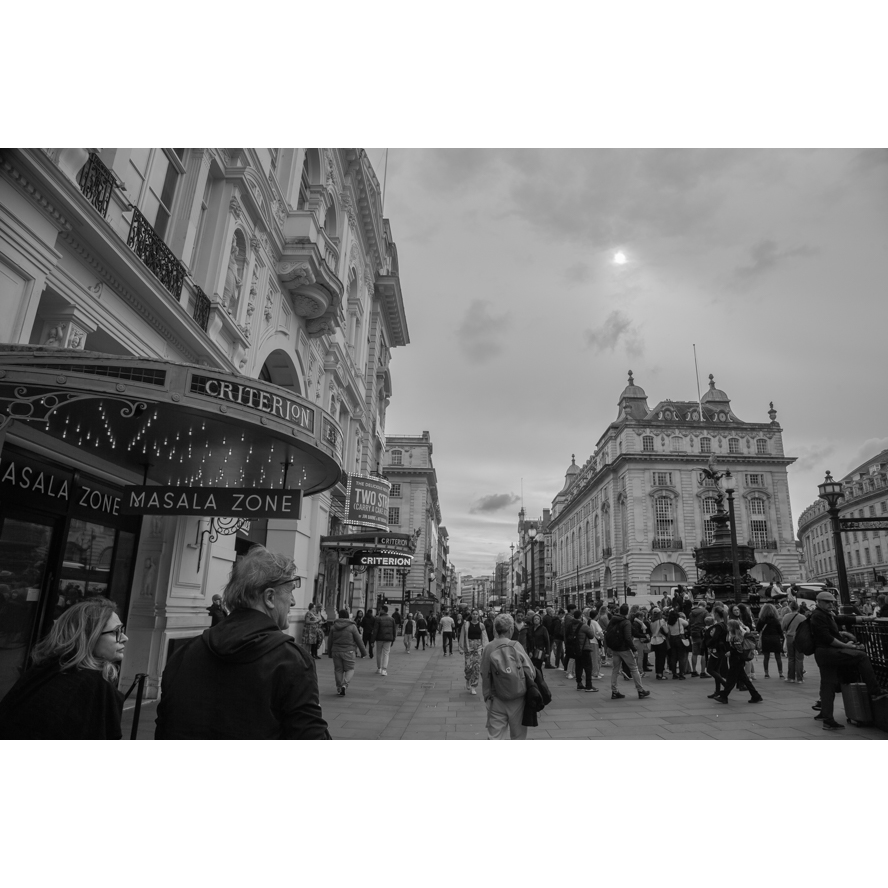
column 863, row 523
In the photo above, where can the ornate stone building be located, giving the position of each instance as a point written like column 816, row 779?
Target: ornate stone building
column 866, row 551
column 264, row 283
column 631, row 515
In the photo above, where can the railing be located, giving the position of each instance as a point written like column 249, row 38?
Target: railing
column 201, row 310
column 671, row 544
column 762, row 544
column 156, row 255
column 606, row 552
column 97, row 182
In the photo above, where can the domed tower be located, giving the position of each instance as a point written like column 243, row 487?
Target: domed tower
column 633, row 402
column 715, row 399
column 572, row 471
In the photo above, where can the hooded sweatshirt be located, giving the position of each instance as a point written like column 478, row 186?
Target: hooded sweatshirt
column 243, row 679
column 344, row 637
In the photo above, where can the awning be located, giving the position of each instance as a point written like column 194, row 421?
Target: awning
column 384, row 544
column 175, row 424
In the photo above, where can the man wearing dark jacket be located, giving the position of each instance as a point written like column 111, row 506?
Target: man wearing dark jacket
column 245, row 679
column 619, row 640
column 834, row 650
column 383, row 636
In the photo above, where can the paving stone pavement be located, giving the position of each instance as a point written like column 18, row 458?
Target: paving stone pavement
column 424, row 698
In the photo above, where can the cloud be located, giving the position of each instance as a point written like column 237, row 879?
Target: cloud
column 765, row 256
column 578, row 273
column 617, row 326
column 811, row 457
column 870, row 448
column 494, row 502
column 481, row 333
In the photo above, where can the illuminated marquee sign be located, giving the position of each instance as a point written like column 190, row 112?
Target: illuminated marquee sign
column 256, row 399
column 367, row 501
column 230, row 502
column 368, row 559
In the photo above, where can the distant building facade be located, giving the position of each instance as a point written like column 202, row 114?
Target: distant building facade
column 630, row 517
column 866, row 551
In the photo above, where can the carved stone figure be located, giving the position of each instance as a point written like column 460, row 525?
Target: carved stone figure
column 233, row 280
column 56, row 337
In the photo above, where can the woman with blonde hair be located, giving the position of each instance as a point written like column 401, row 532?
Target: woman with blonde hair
column 737, row 676
column 70, row 691
column 472, row 642
column 768, row 625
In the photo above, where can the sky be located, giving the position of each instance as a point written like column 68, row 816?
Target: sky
column 523, row 327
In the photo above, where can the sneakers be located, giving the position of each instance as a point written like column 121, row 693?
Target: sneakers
column 570, row 675
column 694, row 673
column 378, row 671
column 385, row 672
column 616, row 695
column 720, row 698
column 790, row 681
column 832, row 726
column 713, row 696
column 766, row 675
column 781, row 677
column 591, row 690
column 341, row 692
column 473, row 692
column 643, row 693
column 756, row 699
column 817, row 705
column 682, row 678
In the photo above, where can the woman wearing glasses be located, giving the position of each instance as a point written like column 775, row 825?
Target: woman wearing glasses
column 70, row 691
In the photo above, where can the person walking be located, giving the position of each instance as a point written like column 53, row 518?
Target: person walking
column 396, row 616
column 771, row 632
column 312, row 634
column 409, row 630
column 433, row 628
column 586, row 642
column 537, row 641
column 422, row 630
column 472, row 643
column 715, row 640
column 557, row 637
column 245, row 679
column 367, row 625
column 619, row 641
column 676, row 628
column 505, row 671
column 696, row 621
column 603, row 619
column 641, row 637
column 737, row 676
column 216, row 611
column 795, row 660
column 447, row 626
column 384, row 637
column 344, row 638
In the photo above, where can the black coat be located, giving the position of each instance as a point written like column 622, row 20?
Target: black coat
column 48, row 704
column 241, row 680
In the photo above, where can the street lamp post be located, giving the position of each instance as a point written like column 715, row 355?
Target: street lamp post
column 512, row 573
column 727, row 484
column 532, row 532
column 831, row 492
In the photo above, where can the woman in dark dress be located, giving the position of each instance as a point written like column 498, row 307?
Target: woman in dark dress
column 367, row 625
column 537, row 641
column 768, row 626
column 70, row 691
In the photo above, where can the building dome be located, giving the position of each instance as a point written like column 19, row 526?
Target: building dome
column 572, row 471
column 632, row 390
column 715, row 394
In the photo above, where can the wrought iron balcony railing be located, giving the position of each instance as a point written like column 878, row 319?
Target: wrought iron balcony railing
column 606, row 552
column 156, row 255
column 201, row 310
column 762, row 544
column 97, row 182
column 671, row 544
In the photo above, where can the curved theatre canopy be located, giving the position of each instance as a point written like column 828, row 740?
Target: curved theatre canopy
column 175, row 424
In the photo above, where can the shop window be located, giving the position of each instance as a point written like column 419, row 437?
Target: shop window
column 706, row 445
column 388, row 576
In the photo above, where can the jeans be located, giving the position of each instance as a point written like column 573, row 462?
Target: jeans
column 830, row 660
column 382, row 654
column 584, row 664
column 407, row 642
column 779, row 660
column 558, row 648
column 432, row 634
column 368, row 643
column 596, row 659
column 678, row 656
column 795, row 661
column 343, row 668
column 504, row 719
column 447, row 642
column 627, row 657
column 421, row 634
column 660, row 651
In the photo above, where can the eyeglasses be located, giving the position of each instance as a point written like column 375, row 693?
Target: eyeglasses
column 296, row 581
column 117, row 631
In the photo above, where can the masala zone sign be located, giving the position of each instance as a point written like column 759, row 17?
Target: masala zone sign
column 228, row 502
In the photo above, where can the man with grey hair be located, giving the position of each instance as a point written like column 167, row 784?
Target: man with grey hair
column 505, row 669
column 245, row 679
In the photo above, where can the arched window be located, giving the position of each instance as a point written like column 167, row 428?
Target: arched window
column 588, row 545
column 573, row 550
column 311, row 175
column 597, row 550
column 605, row 520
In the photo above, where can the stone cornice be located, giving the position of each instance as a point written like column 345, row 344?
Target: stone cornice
column 16, row 175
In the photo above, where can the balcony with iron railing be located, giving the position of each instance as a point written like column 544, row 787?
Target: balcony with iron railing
column 97, row 183
column 200, row 309
column 606, row 552
column 762, row 544
column 667, row 543
column 157, row 256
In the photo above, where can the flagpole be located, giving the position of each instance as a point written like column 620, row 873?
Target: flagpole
column 697, row 375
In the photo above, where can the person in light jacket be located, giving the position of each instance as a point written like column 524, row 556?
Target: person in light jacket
column 344, row 638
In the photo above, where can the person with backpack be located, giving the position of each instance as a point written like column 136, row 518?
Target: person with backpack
column 603, row 619
column 696, row 620
column 409, row 629
column 738, row 653
column 586, row 643
column 659, row 643
column 557, row 634
column 618, row 636
column 676, row 631
column 795, row 660
column 506, row 672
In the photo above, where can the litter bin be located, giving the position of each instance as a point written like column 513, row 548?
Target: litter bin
column 874, row 636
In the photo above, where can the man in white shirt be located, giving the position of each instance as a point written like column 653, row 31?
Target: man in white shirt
column 447, row 625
